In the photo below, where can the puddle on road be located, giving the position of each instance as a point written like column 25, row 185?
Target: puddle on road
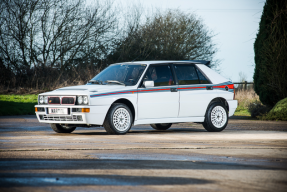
column 98, row 180
column 188, row 157
column 173, row 157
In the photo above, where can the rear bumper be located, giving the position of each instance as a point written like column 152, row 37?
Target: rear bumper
column 232, row 107
column 96, row 116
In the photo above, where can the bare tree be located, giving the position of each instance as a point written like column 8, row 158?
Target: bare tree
column 16, row 20
column 73, row 31
column 172, row 35
column 54, row 33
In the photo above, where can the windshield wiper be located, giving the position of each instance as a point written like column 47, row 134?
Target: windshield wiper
column 114, row 81
column 96, row 81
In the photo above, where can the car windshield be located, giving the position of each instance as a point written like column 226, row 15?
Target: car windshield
column 119, row 74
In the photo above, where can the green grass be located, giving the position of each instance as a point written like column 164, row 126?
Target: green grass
column 241, row 111
column 17, row 104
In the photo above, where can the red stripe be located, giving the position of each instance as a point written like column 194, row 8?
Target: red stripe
column 191, row 87
column 230, row 86
column 131, row 92
column 114, row 93
column 154, row 90
column 220, row 86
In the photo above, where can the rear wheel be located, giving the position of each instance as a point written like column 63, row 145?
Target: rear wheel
column 62, row 129
column 119, row 119
column 161, row 126
column 216, row 118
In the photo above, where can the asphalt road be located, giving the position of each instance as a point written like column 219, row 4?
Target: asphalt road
column 248, row 155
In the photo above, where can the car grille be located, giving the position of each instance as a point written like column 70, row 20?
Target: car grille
column 68, row 100
column 61, row 118
column 58, row 100
column 54, row 100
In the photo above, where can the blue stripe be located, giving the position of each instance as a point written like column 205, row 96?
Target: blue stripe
column 165, row 89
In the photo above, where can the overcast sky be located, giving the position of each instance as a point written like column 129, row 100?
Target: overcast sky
column 235, row 22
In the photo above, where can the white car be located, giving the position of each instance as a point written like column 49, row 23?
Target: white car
column 158, row 93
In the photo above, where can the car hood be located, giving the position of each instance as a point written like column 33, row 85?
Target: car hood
column 88, row 89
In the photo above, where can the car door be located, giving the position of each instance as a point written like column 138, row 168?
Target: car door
column 194, row 91
column 162, row 100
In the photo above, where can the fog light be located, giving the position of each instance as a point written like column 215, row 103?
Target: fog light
column 41, row 117
column 76, row 109
column 79, row 118
column 85, row 110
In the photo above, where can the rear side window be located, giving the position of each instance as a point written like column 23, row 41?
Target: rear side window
column 186, row 74
column 202, row 79
column 160, row 74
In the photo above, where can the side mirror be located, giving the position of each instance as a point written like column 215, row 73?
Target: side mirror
column 148, row 83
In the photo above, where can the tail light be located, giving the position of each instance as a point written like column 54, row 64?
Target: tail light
column 231, row 86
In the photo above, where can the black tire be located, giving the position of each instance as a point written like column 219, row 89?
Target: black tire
column 62, row 129
column 110, row 125
column 218, row 124
column 161, row 126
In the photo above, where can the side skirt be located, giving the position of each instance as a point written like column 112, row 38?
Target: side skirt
column 169, row 120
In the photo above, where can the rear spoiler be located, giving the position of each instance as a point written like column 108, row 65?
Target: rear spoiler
column 207, row 63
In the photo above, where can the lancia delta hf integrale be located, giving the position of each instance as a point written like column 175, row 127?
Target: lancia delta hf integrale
column 158, row 93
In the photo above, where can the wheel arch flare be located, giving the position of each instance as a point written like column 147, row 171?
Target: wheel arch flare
column 128, row 103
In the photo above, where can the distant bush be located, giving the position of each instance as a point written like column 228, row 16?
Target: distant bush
column 257, row 109
column 245, row 98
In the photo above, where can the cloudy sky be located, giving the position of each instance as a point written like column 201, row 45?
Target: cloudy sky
column 235, row 22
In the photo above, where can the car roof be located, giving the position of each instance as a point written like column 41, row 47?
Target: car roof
column 168, row 61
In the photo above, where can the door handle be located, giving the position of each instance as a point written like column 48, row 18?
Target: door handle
column 173, row 89
column 209, row 87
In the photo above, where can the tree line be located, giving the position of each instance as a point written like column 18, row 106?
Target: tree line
column 48, row 43
column 270, row 47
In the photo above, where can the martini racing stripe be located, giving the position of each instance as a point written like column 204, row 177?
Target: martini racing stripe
column 221, row 86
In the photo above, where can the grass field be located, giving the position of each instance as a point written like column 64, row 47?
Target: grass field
column 244, row 98
column 242, row 111
column 17, row 104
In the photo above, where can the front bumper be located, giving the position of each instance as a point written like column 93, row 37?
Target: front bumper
column 96, row 116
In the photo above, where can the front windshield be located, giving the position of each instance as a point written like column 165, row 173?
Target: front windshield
column 119, row 74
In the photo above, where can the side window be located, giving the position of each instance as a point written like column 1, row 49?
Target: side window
column 186, row 74
column 160, row 74
column 202, row 79
column 133, row 74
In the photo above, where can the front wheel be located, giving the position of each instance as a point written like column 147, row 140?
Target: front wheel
column 62, row 129
column 119, row 119
column 161, row 126
column 216, row 118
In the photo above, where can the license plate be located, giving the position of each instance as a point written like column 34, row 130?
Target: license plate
column 58, row 111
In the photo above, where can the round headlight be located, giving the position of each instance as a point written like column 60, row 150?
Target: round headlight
column 41, row 99
column 85, row 100
column 46, row 99
column 80, row 100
